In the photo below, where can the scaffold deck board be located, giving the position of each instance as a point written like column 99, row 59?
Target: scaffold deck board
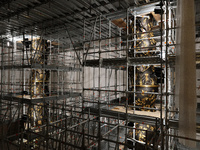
column 122, row 62
column 39, row 66
column 137, row 112
column 122, row 115
column 28, row 100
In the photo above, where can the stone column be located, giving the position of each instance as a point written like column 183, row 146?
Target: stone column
column 186, row 71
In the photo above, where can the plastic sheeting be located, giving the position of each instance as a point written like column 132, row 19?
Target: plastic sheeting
column 186, row 71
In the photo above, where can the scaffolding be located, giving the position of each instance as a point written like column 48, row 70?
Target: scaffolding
column 87, row 104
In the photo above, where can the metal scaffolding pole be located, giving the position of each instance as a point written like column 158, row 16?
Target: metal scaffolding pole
column 161, row 85
column 88, row 89
column 127, row 89
column 99, row 87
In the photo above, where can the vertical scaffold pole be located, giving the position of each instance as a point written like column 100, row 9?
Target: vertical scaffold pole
column 99, row 84
column 161, row 88
column 166, row 70
column 127, row 33
column 83, row 67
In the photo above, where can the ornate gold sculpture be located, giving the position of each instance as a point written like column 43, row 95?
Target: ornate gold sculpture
column 145, row 77
column 39, row 78
column 146, row 82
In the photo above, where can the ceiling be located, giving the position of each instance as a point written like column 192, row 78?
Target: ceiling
column 61, row 19
column 51, row 17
